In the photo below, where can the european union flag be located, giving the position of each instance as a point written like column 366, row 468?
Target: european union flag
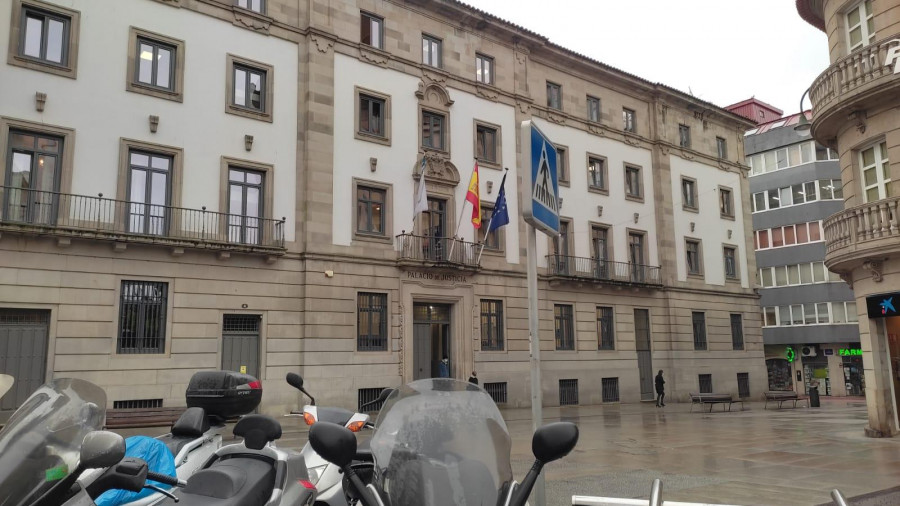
column 500, row 216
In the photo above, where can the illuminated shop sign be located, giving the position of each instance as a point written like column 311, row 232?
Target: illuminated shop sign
column 849, row 352
column 884, row 305
column 790, row 354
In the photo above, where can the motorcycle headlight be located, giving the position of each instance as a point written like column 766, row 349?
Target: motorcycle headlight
column 315, row 473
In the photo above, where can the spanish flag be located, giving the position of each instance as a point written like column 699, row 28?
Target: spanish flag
column 473, row 196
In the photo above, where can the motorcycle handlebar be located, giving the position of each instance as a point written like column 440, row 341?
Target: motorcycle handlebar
column 165, row 479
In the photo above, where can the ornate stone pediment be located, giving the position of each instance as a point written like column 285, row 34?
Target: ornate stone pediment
column 523, row 106
column 434, row 94
column 249, row 19
column 487, row 93
column 439, row 169
column 433, row 75
column 557, row 118
column 596, row 129
column 630, row 139
column 371, row 56
column 323, row 44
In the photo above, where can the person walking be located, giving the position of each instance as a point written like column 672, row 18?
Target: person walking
column 473, row 379
column 444, row 368
column 660, row 390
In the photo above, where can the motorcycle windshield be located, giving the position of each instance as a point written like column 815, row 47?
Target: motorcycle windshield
column 41, row 444
column 440, row 442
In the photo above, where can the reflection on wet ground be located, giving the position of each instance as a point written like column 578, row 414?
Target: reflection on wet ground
column 755, row 456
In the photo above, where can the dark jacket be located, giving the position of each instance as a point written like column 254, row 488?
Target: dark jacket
column 659, row 384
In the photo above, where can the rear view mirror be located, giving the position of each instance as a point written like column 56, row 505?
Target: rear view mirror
column 554, row 441
column 334, row 443
column 550, row 442
column 385, row 394
column 295, row 380
column 101, row 449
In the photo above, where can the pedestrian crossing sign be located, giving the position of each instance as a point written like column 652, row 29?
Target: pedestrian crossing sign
column 540, row 188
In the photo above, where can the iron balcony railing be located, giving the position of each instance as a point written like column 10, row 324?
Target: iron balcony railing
column 439, row 250
column 69, row 214
column 860, row 224
column 602, row 270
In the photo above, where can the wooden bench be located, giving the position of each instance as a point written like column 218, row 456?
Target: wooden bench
column 713, row 399
column 783, row 396
column 141, row 417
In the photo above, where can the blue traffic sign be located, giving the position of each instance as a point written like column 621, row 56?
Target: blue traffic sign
column 540, row 188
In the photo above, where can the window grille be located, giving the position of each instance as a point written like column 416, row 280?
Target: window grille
column 568, row 392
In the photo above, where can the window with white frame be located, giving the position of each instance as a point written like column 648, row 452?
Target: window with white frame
column 629, row 124
column 789, row 235
column 807, row 273
column 876, row 172
column 633, row 187
column 596, row 173
column 860, row 26
column 810, row 313
column 800, row 193
column 726, row 202
column 789, row 156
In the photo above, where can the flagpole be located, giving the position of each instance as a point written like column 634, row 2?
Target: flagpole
column 477, row 262
column 462, row 209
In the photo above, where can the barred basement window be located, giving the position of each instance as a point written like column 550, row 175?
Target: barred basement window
column 371, row 322
column 743, row 380
column 142, row 317
column 497, row 391
column 706, row 384
column 568, row 392
column 367, row 395
column 138, row 404
column 610, row 389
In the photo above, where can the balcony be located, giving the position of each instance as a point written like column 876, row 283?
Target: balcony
column 853, row 83
column 449, row 252
column 602, row 271
column 67, row 215
column 856, row 234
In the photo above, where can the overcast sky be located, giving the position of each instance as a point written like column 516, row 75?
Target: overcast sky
column 723, row 51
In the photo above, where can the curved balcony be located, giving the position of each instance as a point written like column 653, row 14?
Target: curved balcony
column 858, row 233
column 855, row 82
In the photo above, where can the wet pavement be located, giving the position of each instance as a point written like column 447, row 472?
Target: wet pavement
column 755, row 456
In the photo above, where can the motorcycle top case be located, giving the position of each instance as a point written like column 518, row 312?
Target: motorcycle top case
column 226, row 394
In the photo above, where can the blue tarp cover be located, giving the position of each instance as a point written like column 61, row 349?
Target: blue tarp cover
column 159, row 460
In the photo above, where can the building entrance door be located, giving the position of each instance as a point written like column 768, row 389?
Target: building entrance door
column 431, row 340
column 240, row 343
column 645, row 360
column 23, row 341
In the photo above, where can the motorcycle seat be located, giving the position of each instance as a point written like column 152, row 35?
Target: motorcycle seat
column 237, row 481
column 175, row 443
column 193, row 423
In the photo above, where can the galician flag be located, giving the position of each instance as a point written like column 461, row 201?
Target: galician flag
column 473, row 196
column 421, row 203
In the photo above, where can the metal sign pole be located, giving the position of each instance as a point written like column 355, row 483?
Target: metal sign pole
column 537, row 398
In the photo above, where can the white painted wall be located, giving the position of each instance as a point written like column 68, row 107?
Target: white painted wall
column 709, row 226
column 580, row 205
column 97, row 106
column 397, row 161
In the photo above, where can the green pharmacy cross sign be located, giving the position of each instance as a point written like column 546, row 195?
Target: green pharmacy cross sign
column 790, row 354
column 848, row 352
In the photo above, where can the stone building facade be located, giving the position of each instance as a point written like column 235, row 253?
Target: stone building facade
column 283, row 236
column 856, row 111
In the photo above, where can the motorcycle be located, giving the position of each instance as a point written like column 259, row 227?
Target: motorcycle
column 52, row 439
column 327, row 477
column 439, row 442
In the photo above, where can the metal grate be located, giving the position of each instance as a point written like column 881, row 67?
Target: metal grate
column 371, row 322
column 138, row 404
column 568, row 392
column 142, row 317
column 366, row 395
column 497, row 391
column 610, row 389
column 706, row 384
column 240, row 323
column 24, row 317
column 743, row 385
